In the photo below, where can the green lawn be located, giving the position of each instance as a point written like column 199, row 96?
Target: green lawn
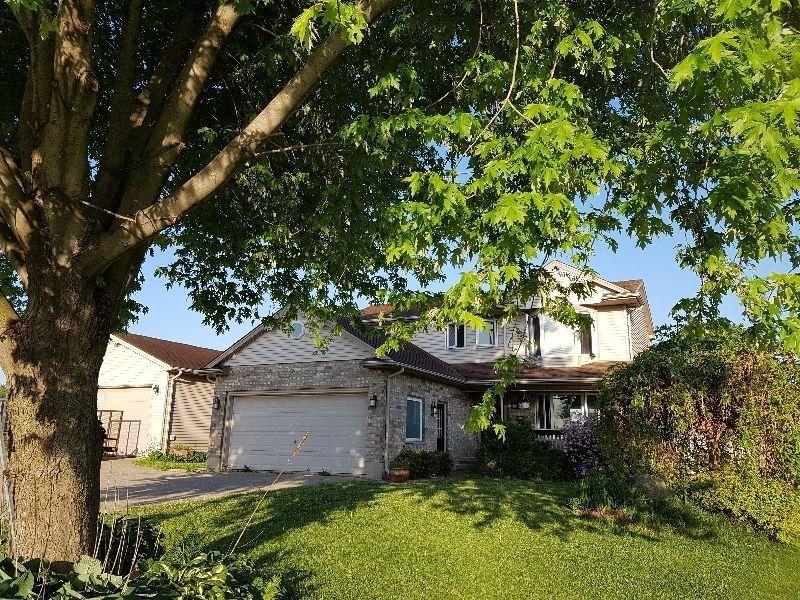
column 479, row 538
column 166, row 465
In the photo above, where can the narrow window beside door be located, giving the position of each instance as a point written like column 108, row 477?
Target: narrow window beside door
column 413, row 420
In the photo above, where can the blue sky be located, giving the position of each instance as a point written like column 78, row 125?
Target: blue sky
column 171, row 318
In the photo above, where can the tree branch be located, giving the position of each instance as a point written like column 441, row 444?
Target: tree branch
column 166, row 139
column 119, row 130
column 13, row 201
column 284, row 149
column 150, row 99
column 7, row 316
column 10, row 248
column 65, row 164
column 157, row 217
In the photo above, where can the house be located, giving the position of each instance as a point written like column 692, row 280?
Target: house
column 163, row 390
column 360, row 410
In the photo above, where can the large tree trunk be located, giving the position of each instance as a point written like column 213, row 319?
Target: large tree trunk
column 54, row 436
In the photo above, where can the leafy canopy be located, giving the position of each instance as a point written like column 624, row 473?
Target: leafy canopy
column 489, row 138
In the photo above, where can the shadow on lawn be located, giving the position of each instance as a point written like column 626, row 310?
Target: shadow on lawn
column 483, row 502
column 549, row 507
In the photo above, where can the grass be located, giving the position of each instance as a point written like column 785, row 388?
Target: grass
column 166, row 465
column 480, row 538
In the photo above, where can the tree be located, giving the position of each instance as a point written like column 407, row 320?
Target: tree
column 318, row 153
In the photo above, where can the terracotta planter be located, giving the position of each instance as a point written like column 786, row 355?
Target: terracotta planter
column 398, row 475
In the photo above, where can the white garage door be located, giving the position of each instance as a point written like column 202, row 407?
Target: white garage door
column 264, row 430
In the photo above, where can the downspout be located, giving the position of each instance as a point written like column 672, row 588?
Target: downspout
column 386, row 421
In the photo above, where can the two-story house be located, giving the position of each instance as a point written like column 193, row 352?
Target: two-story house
column 360, row 410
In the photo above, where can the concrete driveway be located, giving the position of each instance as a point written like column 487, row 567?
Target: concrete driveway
column 123, row 484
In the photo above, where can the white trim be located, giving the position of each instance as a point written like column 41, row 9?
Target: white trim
column 554, row 264
column 298, row 392
column 136, row 350
column 421, row 416
column 494, row 333
column 447, row 336
column 302, row 330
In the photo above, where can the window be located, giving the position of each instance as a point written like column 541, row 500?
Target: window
column 591, row 405
column 534, row 336
column 486, row 336
column 413, row 420
column 298, row 329
column 575, row 404
column 586, row 339
column 456, row 336
column 543, row 412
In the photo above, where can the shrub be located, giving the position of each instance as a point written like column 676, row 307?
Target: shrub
column 579, row 442
column 767, row 505
column 178, row 453
column 423, row 464
column 713, row 415
column 522, row 455
column 606, row 488
column 206, row 576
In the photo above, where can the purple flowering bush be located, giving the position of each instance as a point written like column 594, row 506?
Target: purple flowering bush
column 580, row 443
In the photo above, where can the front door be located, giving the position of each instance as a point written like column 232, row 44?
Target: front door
column 441, row 427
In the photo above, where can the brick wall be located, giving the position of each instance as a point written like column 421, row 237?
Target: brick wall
column 352, row 375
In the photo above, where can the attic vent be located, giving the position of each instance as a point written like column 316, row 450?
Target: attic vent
column 298, row 329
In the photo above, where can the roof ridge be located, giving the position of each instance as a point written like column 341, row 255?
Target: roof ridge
column 157, row 339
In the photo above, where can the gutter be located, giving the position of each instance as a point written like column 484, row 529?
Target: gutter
column 380, row 363
column 537, row 381
column 383, row 363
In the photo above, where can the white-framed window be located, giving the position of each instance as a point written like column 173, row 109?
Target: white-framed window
column 486, row 337
column 298, row 330
column 534, row 335
column 413, row 420
column 456, row 335
column 586, row 340
column 542, row 412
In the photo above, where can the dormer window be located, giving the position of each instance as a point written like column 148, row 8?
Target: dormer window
column 486, row 337
column 456, row 336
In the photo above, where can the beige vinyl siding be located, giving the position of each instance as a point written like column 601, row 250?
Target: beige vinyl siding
column 612, row 333
column 276, row 347
column 191, row 413
column 640, row 335
column 435, row 342
column 124, row 367
column 135, row 406
column 558, row 343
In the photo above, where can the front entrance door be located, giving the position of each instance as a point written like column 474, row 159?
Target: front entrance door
column 441, row 427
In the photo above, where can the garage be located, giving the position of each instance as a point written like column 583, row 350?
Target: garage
column 134, row 403
column 264, row 429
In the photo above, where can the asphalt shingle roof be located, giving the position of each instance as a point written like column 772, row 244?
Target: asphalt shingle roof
column 175, row 354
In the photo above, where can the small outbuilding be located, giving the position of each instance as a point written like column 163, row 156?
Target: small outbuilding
column 163, row 391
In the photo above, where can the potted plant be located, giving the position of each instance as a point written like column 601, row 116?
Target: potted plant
column 399, row 471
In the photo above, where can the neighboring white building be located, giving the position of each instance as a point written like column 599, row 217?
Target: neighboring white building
column 163, row 390
column 360, row 411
